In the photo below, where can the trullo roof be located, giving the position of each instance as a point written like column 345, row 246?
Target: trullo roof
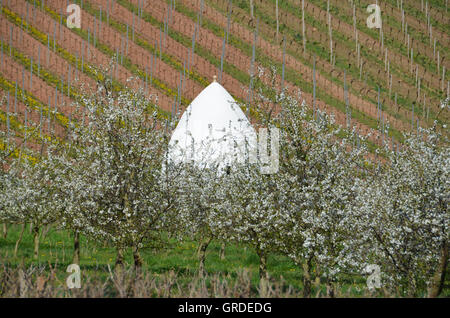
column 213, row 131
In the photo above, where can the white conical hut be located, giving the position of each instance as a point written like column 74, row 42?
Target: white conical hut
column 212, row 132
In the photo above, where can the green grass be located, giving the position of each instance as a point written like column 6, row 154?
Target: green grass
column 56, row 249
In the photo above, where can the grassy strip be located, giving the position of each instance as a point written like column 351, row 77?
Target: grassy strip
column 16, row 153
column 45, row 75
column 43, row 38
column 56, row 248
column 418, row 14
column 31, row 101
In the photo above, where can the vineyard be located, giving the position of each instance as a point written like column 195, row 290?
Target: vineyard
column 381, row 93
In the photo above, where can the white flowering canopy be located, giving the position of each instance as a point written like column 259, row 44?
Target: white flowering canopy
column 212, row 132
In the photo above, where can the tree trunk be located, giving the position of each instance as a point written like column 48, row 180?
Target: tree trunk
column 202, row 257
column 45, row 231
column 307, row 278
column 19, row 240
column 119, row 259
column 222, row 251
column 262, row 264
column 438, row 280
column 76, row 248
column 330, row 288
column 5, row 231
column 36, row 242
column 137, row 259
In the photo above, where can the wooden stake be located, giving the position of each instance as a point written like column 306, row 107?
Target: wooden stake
column 15, row 100
column 303, row 26
column 314, row 86
column 284, row 64
column 278, row 22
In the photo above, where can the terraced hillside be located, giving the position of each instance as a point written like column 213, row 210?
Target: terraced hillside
column 396, row 74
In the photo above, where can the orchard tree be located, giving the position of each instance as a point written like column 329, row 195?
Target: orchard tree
column 248, row 211
column 318, row 165
column 197, row 195
column 250, row 200
column 30, row 196
column 114, row 184
column 403, row 213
